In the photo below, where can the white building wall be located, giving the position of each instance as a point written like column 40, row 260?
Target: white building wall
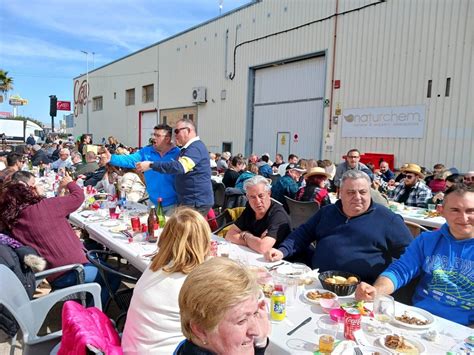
column 111, row 82
column 385, row 55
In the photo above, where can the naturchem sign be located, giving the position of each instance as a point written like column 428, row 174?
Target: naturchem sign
column 390, row 122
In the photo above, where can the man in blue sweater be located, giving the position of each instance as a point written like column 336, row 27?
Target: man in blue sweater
column 444, row 261
column 353, row 235
column 157, row 184
column 192, row 169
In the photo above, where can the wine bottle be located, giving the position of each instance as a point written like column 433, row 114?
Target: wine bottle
column 152, row 220
column 160, row 214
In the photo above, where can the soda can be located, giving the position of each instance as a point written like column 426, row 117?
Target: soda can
column 278, row 306
column 352, row 319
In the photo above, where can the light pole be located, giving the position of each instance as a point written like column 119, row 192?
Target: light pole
column 87, row 90
column 93, row 62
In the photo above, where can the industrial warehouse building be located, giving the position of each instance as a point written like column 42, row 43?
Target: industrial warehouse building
column 311, row 77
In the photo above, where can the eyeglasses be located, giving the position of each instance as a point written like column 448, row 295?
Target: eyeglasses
column 409, row 176
column 353, row 156
column 159, row 135
column 177, row 130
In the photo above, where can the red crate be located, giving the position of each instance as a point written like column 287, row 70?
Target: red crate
column 376, row 158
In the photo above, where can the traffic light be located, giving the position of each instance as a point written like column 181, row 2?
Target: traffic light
column 53, row 101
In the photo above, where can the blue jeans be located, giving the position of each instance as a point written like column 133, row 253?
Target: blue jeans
column 91, row 274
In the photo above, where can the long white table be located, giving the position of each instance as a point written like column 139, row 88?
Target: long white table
column 305, row 339
column 415, row 215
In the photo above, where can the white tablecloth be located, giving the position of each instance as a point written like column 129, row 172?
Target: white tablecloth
column 302, row 341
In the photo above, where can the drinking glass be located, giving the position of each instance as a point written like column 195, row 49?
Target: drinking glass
column 223, row 249
column 327, row 330
column 384, row 312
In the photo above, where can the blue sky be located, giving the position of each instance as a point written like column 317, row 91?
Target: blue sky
column 41, row 40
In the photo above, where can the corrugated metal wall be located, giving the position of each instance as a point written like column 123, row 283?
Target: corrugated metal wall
column 385, row 55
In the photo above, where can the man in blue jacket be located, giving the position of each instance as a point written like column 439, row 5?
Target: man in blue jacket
column 354, row 235
column 444, row 261
column 192, row 169
column 157, row 184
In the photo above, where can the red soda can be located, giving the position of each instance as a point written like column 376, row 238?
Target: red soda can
column 352, row 320
column 213, row 251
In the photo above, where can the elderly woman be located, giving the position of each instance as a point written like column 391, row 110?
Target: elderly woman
column 42, row 224
column 315, row 188
column 228, row 320
column 153, row 322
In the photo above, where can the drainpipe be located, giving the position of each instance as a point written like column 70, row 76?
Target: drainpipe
column 333, row 64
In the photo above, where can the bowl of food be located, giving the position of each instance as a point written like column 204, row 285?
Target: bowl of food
column 100, row 197
column 340, row 282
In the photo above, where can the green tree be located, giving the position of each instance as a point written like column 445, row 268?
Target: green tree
column 6, row 82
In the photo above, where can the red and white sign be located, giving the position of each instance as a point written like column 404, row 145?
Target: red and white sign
column 63, row 105
column 5, row 114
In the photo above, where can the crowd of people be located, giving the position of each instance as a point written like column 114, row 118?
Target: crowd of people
column 171, row 310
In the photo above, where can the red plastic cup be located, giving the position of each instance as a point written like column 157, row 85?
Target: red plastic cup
column 135, row 223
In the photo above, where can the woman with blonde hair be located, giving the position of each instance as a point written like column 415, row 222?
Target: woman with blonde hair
column 223, row 317
column 153, row 320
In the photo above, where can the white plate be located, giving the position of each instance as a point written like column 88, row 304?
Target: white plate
column 374, row 349
column 412, row 341
column 415, row 312
column 110, row 223
column 118, row 229
column 347, row 347
column 95, row 218
column 321, row 290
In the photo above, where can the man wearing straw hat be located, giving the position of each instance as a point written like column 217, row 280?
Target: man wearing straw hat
column 412, row 191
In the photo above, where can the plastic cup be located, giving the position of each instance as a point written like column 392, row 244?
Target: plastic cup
column 135, row 221
column 327, row 330
column 431, row 207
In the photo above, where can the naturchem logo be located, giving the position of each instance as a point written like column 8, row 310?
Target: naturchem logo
column 392, row 117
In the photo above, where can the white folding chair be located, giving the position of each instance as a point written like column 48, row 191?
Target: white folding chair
column 30, row 314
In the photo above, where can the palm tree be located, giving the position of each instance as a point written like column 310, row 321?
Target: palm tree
column 6, row 83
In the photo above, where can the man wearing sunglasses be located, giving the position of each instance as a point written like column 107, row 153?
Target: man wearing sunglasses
column 192, row 169
column 162, row 150
column 412, row 191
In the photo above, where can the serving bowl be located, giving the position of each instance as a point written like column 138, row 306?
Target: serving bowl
column 340, row 289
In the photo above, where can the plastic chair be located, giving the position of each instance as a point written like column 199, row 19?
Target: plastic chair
column 300, row 211
column 30, row 314
column 219, row 195
column 121, row 297
column 80, row 277
column 234, row 198
column 274, row 178
column 415, row 228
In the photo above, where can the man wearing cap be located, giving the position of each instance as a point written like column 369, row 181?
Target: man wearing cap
column 354, row 235
column 412, row 191
column 39, row 156
column 315, row 188
column 287, row 185
column 352, row 163
column 64, row 160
